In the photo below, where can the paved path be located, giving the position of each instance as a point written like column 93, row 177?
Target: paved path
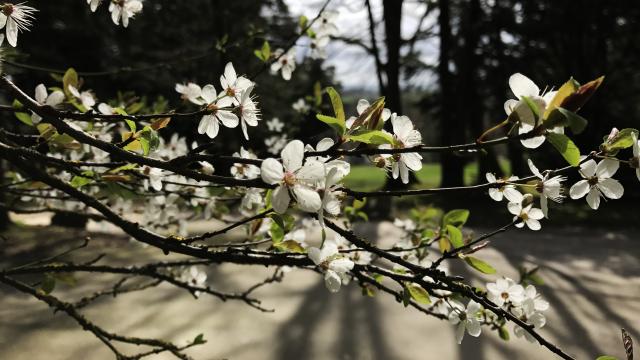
column 593, row 285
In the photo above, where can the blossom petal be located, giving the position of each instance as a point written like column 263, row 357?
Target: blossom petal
column 607, row 168
column 209, row 93
column 271, row 171
column 533, row 224
column 579, row 189
column 534, row 169
column 308, row 199
column 402, row 126
column 593, row 198
column 588, row 168
column 332, row 281
column 292, row 155
column 473, row 328
column 311, row 172
column 522, row 86
column 611, row 188
column 280, row 199
column 41, row 93
column 412, row 160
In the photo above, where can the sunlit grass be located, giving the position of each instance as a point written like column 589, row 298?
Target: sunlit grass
column 370, row 178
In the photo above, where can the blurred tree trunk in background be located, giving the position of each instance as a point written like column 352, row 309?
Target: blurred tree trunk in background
column 471, row 106
column 451, row 126
column 393, row 41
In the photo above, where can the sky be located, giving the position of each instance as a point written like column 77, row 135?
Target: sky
column 354, row 68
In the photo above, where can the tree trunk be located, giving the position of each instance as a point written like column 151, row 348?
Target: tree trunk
column 451, row 130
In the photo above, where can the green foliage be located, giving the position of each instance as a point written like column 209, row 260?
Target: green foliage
column 338, row 126
column 606, row 357
column 264, row 53
column 457, row 217
column 80, row 181
column 48, row 284
column 533, row 107
column 22, row 116
column 418, row 293
column 479, row 265
column 70, row 78
column 504, row 333
column 622, row 140
column 371, row 137
column 455, row 236
column 565, row 147
column 199, row 340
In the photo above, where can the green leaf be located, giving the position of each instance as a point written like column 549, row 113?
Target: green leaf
column 302, row 22
column 533, row 106
column 24, row 117
column 418, row 293
column 276, row 232
column 70, row 78
column 504, row 333
column 456, row 217
column 131, row 124
column 455, row 236
column 79, row 181
column 278, row 220
column 336, row 102
column 199, row 340
column 563, row 117
column 622, row 140
column 290, row 246
column 266, row 50
column 606, row 357
column 479, row 265
column 565, row 147
column 48, row 284
column 337, row 125
column 372, row 137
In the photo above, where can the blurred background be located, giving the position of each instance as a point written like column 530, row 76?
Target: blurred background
column 446, row 65
column 443, row 63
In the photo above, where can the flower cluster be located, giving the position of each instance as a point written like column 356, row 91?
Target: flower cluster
column 232, row 106
column 121, row 10
column 334, row 265
column 524, row 303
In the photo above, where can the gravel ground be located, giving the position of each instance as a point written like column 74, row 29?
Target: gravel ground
column 592, row 282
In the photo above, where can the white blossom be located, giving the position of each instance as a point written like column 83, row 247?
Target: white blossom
column 405, row 136
column 549, row 188
column 505, row 291
column 275, row 125
column 124, row 10
column 295, row 176
column 44, row 98
column 191, row 92
column 505, row 190
column 154, row 176
column 597, row 182
column 242, row 170
column 94, row 4
column 528, row 215
column 522, row 86
column 194, row 278
column 249, row 113
column 220, row 113
column 16, row 18
column 285, row 63
column 466, row 319
column 335, row 266
column 232, row 84
column 301, row 106
column 86, row 97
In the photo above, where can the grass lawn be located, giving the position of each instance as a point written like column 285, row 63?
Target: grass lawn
column 370, row 178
